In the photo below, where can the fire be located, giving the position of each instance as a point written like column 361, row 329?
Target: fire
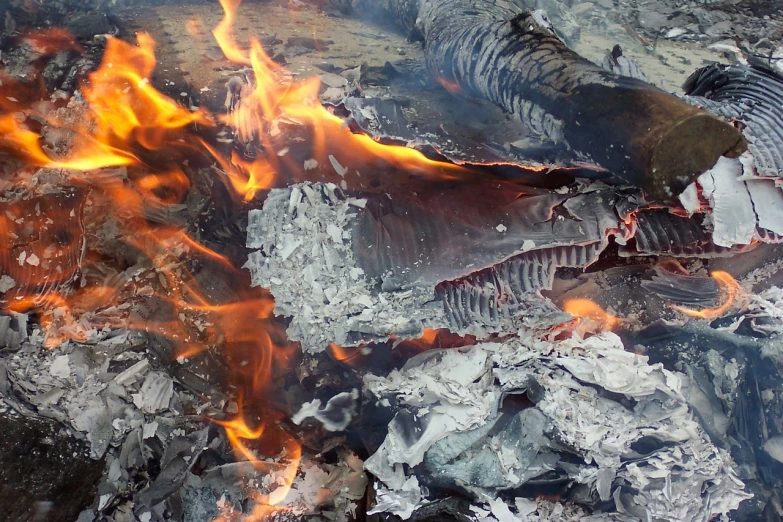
column 122, row 120
column 49, row 41
column 260, row 109
column 348, row 356
column 243, row 438
column 452, row 87
column 730, row 289
column 111, row 139
column 124, row 112
column 589, row 312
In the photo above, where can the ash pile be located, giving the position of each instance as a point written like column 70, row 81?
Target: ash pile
column 324, row 311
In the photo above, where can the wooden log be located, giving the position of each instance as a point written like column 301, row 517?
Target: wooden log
column 494, row 50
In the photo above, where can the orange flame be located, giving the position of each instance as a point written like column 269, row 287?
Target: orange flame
column 452, row 87
column 259, row 110
column 125, row 111
column 125, row 116
column 348, row 356
column 730, row 289
column 224, row 33
column 283, row 468
column 588, row 311
column 122, row 120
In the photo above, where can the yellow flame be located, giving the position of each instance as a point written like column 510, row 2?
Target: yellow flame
column 588, row 310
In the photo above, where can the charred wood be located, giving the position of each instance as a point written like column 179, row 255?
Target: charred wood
column 659, row 232
column 494, row 50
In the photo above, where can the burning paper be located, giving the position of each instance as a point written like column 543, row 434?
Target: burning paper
column 350, row 270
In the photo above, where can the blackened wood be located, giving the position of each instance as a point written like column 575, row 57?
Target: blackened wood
column 492, row 49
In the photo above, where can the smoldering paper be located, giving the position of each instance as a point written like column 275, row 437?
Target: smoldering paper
column 350, row 270
column 627, row 401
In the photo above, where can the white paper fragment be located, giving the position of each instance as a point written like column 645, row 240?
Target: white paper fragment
column 104, row 501
column 501, row 228
column 310, row 164
column 501, row 511
column 33, row 260
column 132, row 373
column 768, row 204
column 402, row 501
column 690, row 199
column 733, row 219
column 155, row 393
column 341, row 171
column 774, row 447
column 335, row 416
column 333, row 80
column 149, row 430
column 6, row 283
column 60, row 368
column 674, row 32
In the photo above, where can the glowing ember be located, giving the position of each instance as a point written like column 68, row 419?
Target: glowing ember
column 730, row 289
column 348, row 356
column 590, row 312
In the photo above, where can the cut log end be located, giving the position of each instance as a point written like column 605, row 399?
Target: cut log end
column 687, row 149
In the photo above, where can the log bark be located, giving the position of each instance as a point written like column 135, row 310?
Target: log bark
column 494, row 50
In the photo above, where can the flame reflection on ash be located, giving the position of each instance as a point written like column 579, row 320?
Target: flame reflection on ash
column 730, row 289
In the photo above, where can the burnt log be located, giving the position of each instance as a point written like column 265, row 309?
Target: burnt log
column 494, row 50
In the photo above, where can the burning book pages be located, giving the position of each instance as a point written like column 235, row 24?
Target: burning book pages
column 752, row 95
column 744, row 207
column 628, row 445
column 349, row 270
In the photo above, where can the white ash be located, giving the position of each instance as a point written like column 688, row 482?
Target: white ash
column 335, row 416
column 447, row 395
column 305, row 259
column 532, row 511
column 72, row 385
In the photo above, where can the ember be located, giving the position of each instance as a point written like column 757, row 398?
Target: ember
column 587, row 310
column 730, row 288
column 244, row 292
